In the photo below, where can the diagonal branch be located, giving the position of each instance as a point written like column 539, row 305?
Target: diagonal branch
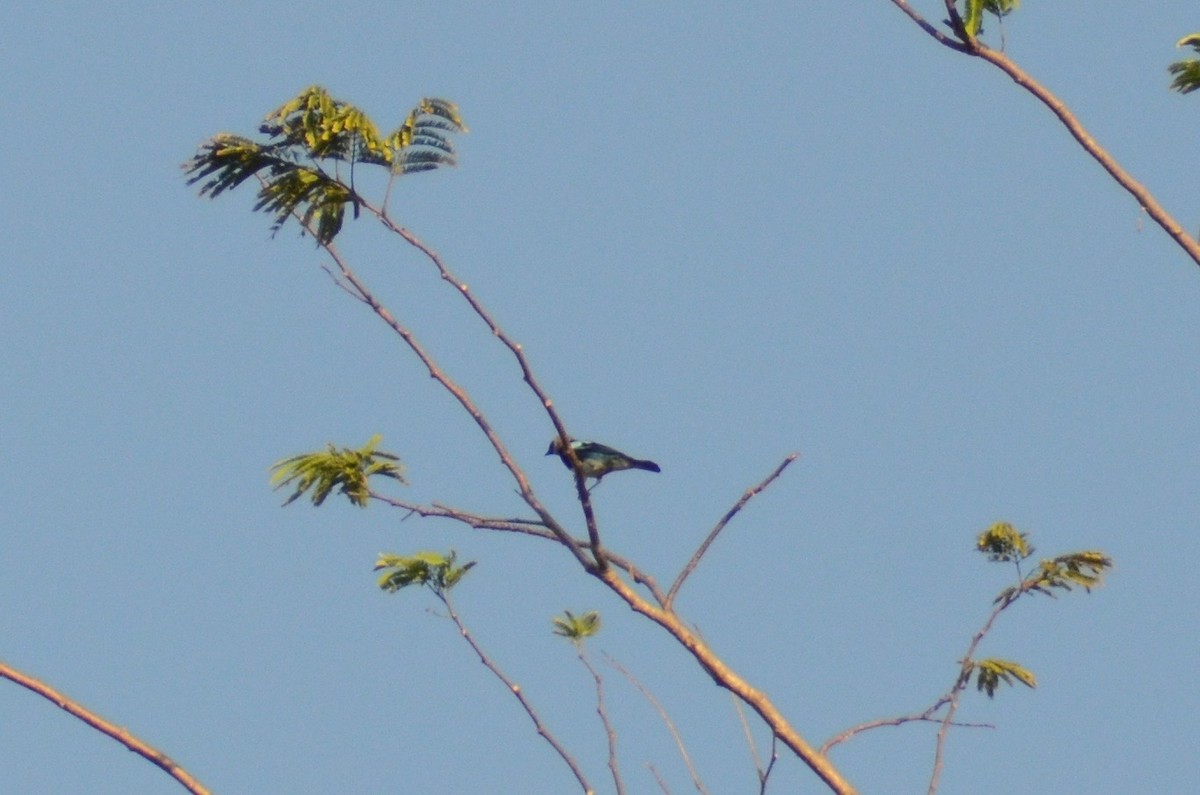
column 928, row 716
column 726, row 677
column 519, row 694
column 530, row 527
column 609, row 731
column 358, row 288
column 712, row 536
column 518, row 351
column 139, row 747
column 974, row 47
column 666, row 719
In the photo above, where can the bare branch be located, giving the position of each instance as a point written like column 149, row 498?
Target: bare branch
column 139, row 747
column 712, row 536
column 727, row 678
column 741, row 713
column 662, row 713
column 609, row 731
column 518, row 352
column 766, row 774
column 926, row 26
column 517, row 692
column 530, row 527
column 928, row 716
column 364, row 294
column 662, row 785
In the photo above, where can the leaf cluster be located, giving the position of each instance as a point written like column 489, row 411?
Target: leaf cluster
column 990, row 672
column 344, row 469
column 1084, row 569
column 307, row 137
column 430, row 569
column 1003, row 544
column 576, row 628
column 973, row 10
column 1187, row 71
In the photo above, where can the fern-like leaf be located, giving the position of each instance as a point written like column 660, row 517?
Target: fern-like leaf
column 344, row 469
column 1187, row 72
column 576, row 628
column 308, row 136
column 430, row 569
column 989, row 673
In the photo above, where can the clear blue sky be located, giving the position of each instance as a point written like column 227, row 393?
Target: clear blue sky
column 723, row 233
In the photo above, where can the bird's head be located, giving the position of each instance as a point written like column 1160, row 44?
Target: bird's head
column 556, row 446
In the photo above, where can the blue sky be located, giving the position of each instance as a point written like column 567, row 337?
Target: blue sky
column 723, row 233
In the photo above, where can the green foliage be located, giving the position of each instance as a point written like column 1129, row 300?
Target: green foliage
column 431, row 569
column 989, row 673
column 972, row 14
column 297, row 167
column 1187, row 72
column 1076, row 569
column 576, row 628
column 346, row 470
column 1002, row 543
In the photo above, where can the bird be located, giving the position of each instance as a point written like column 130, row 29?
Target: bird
column 597, row 460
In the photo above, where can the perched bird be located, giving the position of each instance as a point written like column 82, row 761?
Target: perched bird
column 597, row 460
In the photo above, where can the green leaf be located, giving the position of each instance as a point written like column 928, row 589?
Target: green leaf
column 344, row 469
column 430, row 569
column 1002, row 543
column 972, row 15
column 576, row 628
column 991, row 672
column 297, row 167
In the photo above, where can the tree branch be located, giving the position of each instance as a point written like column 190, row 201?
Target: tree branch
column 515, row 689
column 139, row 747
column 727, row 678
column 976, row 48
column 662, row 713
column 529, row 527
column 712, row 536
column 609, row 731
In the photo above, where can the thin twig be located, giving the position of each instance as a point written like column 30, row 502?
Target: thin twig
column 518, row 351
column 139, row 747
column 517, row 692
column 609, row 731
column 530, row 527
column 927, row 716
column 662, row 713
column 954, row 695
column 741, row 713
column 1144, row 198
column 662, row 785
column 712, row 536
column 435, row 371
column 766, row 775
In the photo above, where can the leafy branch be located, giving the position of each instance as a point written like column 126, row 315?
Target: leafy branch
column 439, row 574
column 964, row 38
column 345, row 469
column 1000, row 543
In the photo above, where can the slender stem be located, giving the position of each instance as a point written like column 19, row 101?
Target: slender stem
column 139, row 747
column 517, row 692
column 609, row 731
column 712, row 536
column 530, row 527
column 518, row 351
column 666, row 719
column 766, row 775
column 727, row 678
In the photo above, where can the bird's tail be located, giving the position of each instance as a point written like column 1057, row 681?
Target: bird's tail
column 649, row 466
